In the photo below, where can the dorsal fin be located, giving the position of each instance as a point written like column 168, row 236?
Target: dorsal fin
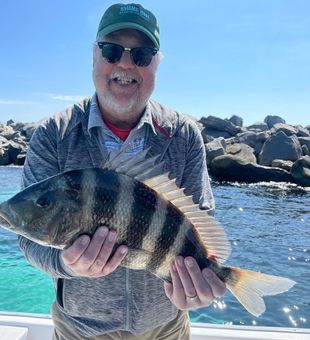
column 211, row 233
column 120, row 165
column 151, row 174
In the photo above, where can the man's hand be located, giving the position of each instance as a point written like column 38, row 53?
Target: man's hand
column 90, row 257
column 192, row 288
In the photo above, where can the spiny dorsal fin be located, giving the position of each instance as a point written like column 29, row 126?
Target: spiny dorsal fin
column 141, row 167
column 150, row 172
column 137, row 167
column 120, row 165
column 125, row 166
column 211, row 233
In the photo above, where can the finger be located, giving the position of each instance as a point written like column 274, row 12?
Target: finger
column 185, row 277
column 72, row 254
column 176, row 281
column 105, row 251
column 217, row 286
column 178, row 295
column 115, row 260
column 201, row 287
column 168, row 289
column 90, row 254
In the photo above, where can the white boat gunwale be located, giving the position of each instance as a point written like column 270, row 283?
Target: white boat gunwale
column 40, row 327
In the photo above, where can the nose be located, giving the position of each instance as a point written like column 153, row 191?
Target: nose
column 126, row 61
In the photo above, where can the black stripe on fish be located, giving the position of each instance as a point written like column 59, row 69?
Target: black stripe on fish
column 102, row 195
column 167, row 237
column 191, row 247
column 140, row 221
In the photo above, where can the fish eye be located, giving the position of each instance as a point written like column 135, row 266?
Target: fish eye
column 43, row 202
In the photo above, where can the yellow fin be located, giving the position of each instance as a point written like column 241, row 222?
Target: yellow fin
column 249, row 287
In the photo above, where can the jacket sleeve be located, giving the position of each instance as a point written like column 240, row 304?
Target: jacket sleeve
column 195, row 176
column 42, row 162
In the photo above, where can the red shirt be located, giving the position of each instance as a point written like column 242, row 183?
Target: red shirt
column 120, row 133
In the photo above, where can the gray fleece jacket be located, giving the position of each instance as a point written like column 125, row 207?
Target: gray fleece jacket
column 131, row 300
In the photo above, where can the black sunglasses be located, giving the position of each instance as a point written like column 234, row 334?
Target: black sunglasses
column 112, row 53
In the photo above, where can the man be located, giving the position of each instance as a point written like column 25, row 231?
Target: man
column 96, row 298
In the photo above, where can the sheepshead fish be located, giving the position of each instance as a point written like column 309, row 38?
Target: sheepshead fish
column 151, row 215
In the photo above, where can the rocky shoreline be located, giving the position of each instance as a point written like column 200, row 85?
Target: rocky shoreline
column 265, row 151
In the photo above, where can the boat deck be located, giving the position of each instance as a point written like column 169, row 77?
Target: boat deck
column 21, row 326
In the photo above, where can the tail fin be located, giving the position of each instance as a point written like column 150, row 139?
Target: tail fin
column 249, row 287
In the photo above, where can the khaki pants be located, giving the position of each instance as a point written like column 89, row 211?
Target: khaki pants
column 177, row 329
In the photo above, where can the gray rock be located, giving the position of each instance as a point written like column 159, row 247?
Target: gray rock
column 242, row 151
column 11, row 121
column 272, row 120
column 305, row 150
column 14, row 150
column 301, row 171
column 217, row 124
column 236, row 120
column 302, row 132
column 14, row 140
column 29, row 129
column 8, row 132
column 19, row 139
column 287, row 129
column 206, row 138
column 304, row 141
column 215, row 148
column 280, row 146
column 21, row 159
column 17, row 126
column 259, row 126
column 279, row 163
column 231, row 168
column 253, row 139
column 26, row 129
column 4, row 156
column 3, row 140
column 208, row 134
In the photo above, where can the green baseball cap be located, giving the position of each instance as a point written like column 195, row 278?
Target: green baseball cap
column 132, row 16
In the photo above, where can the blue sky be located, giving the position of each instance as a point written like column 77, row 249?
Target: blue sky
column 222, row 57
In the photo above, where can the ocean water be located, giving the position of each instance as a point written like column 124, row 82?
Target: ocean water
column 269, row 229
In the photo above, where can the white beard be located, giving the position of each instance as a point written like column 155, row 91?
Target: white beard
column 121, row 109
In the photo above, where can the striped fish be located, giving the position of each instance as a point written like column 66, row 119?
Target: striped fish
column 151, row 215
